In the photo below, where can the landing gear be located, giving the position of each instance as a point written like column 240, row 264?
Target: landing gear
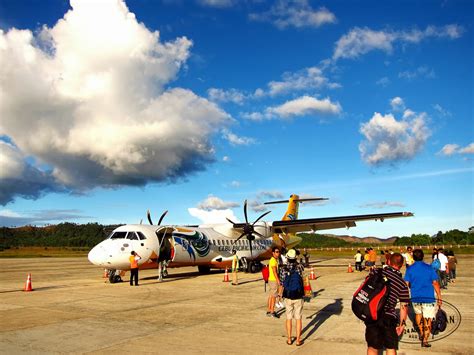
column 204, row 269
column 251, row 266
column 113, row 277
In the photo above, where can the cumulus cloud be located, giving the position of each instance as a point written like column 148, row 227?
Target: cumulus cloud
column 234, row 139
column 397, row 104
column 305, row 105
column 360, row 41
column 215, row 203
column 93, row 89
column 295, row 13
column 10, row 218
column 383, row 204
column 231, row 95
column 451, row 149
column 389, row 140
column 19, row 178
column 214, row 216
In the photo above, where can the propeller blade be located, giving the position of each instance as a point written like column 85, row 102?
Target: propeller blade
column 235, row 241
column 260, row 235
column 229, row 220
column 250, row 244
column 149, row 217
column 259, row 218
column 162, row 216
column 245, row 212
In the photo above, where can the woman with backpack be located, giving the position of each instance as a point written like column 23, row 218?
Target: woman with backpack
column 293, row 292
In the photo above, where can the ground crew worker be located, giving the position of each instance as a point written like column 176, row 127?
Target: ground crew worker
column 235, row 267
column 134, row 267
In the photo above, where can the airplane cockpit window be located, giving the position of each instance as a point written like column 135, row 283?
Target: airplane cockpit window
column 132, row 236
column 141, row 236
column 118, row 235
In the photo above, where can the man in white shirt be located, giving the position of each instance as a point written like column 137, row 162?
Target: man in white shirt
column 443, row 269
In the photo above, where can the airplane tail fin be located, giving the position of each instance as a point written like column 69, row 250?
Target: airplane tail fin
column 291, row 213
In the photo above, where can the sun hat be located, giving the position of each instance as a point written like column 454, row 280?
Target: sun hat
column 291, row 254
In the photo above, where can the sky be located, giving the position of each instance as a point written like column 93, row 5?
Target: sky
column 109, row 108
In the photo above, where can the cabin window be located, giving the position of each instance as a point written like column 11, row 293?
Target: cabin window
column 218, row 241
column 118, row 235
column 141, row 236
column 132, row 236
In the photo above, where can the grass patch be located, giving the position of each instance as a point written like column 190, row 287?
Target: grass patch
column 44, row 252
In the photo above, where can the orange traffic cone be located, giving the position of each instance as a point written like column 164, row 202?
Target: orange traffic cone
column 349, row 269
column 106, row 274
column 226, row 276
column 28, row 286
column 312, row 276
column 308, row 291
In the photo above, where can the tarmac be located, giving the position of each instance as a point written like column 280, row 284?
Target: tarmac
column 74, row 310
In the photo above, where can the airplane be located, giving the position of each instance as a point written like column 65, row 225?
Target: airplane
column 210, row 245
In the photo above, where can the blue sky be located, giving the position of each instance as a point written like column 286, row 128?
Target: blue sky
column 111, row 108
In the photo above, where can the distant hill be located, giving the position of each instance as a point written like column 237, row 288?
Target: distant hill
column 364, row 240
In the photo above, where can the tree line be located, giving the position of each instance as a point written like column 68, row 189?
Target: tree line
column 88, row 235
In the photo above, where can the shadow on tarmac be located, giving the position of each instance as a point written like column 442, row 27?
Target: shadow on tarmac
column 322, row 315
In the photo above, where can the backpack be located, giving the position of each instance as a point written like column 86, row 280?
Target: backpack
column 293, row 287
column 436, row 264
column 440, row 322
column 370, row 298
column 265, row 273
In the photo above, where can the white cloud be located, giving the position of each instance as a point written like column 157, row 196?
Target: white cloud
column 420, row 72
column 214, row 216
column 388, row 140
column 236, row 140
column 217, row 3
column 109, row 119
column 231, row 95
column 235, row 184
column 442, row 112
column 305, row 105
column 451, row 149
column 397, row 104
column 295, row 13
column 383, row 82
column 383, row 204
column 215, row 203
column 226, row 159
column 360, row 41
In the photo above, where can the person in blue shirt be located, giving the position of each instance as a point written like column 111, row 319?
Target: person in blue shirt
column 423, row 283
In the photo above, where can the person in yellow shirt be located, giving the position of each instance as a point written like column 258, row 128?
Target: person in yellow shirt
column 134, row 267
column 273, row 282
column 235, row 267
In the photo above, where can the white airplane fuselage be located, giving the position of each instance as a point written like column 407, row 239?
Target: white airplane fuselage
column 207, row 245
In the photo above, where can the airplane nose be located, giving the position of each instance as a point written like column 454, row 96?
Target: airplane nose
column 96, row 255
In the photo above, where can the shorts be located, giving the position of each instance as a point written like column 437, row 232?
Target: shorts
column 294, row 308
column 382, row 334
column 273, row 288
column 427, row 309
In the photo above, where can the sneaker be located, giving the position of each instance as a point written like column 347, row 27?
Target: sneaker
column 274, row 315
column 279, row 305
column 269, row 314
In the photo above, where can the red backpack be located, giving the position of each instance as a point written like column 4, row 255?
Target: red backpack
column 265, row 273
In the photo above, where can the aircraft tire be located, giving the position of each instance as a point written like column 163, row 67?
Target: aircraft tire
column 253, row 268
column 204, row 269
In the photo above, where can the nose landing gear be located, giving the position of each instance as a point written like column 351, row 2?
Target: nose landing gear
column 114, row 276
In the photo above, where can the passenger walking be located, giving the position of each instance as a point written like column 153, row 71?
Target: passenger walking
column 134, row 257
column 273, row 282
column 358, row 261
column 443, row 269
column 293, row 292
column 235, row 267
column 281, row 262
column 408, row 255
column 385, row 332
column 423, row 283
column 452, row 263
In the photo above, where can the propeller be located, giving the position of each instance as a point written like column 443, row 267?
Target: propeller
column 248, row 228
column 159, row 221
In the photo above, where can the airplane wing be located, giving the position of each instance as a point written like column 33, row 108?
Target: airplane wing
column 314, row 224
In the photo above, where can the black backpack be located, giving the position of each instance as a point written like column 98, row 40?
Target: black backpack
column 293, row 287
column 440, row 322
column 370, row 298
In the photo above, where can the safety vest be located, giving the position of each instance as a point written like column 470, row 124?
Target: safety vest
column 133, row 262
